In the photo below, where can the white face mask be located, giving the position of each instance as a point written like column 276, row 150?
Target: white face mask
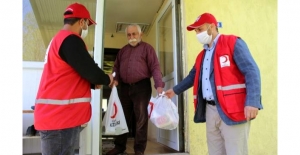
column 204, row 38
column 84, row 32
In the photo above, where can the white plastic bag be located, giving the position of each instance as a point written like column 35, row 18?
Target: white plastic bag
column 163, row 113
column 114, row 122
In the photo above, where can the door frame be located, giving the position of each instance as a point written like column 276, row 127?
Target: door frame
column 178, row 72
column 92, row 137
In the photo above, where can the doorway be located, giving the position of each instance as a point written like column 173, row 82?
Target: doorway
column 159, row 21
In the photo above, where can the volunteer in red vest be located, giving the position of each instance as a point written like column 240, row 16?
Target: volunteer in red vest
column 226, row 87
column 64, row 95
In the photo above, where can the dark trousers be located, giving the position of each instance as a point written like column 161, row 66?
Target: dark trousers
column 59, row 142
column 134, row 99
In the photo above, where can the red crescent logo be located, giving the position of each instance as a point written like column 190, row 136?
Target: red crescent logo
column 151, row 108
column 226, row 59
column 115, row 112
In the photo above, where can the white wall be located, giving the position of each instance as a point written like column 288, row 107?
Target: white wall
column 32, row 72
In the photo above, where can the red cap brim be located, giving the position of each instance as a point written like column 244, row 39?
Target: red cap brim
column 91, row 22
column 192, row 27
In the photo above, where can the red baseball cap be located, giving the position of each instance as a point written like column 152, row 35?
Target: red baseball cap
column 204, row 18
column 79, row 11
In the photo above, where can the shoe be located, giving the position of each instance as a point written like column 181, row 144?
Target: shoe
column 138, row 153
column 114, row 151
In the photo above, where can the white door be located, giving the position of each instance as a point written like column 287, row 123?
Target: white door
column 167, row 53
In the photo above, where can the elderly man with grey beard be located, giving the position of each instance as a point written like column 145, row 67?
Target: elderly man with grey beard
column 135, row 64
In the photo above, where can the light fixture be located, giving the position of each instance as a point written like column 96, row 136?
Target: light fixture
column 120, row 27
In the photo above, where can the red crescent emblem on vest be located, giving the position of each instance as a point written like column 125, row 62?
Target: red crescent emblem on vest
column 115, row 112
column 226, row 59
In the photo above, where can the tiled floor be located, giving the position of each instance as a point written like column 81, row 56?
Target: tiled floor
column 153, row 148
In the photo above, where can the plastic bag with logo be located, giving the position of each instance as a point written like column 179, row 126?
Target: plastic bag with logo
column 114, row 122
column 164, row 113
column 151, row 105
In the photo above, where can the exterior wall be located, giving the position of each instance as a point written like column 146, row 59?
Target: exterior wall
column 255, row 22
column 32, row 72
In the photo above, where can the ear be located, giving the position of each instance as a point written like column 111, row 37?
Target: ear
column 81, row 21
column 211, row 28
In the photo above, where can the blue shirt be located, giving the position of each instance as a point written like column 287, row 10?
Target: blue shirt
column 206, row 86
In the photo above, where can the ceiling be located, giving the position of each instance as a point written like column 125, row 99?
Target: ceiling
column 49, row 15
column 130, row 11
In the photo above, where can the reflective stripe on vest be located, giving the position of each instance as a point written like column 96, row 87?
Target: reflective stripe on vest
column 230, row 87
column 62, row 102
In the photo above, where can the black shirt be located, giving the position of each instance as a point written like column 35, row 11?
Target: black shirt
column 73, row 51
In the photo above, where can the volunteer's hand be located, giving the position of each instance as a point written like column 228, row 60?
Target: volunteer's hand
column 250, row 112
column 170, row 93
column 114, row 83
column 111, row 79
column 98, row 86
column 159, row 90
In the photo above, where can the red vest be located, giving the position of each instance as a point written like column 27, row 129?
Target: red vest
column 229, row 81
column 63, row 98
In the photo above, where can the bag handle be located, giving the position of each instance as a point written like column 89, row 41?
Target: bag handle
column 161, row 95
column 152, row 104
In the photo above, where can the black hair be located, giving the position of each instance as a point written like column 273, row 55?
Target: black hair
column 71, row 20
